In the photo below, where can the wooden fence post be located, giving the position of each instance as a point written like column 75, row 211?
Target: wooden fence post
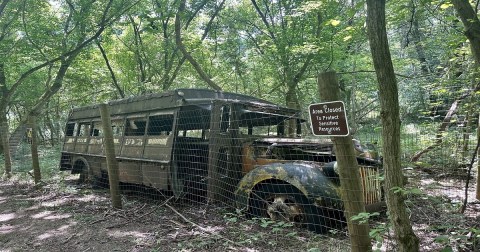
column 351, row 189
column 478, row 160
column 4, row 135
column 112, row 164
column 214, row 146
column 34, row 148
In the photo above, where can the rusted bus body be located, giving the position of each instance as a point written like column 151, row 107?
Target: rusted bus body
column 160, row 138
column 219, row 145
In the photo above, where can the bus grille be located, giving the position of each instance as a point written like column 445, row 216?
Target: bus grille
column 371, row 186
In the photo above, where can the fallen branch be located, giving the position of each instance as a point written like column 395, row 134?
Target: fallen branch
column 200, row 227
column 69, row 238
column 439, row 136
column 141, row 216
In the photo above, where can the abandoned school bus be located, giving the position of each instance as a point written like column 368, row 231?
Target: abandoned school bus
column 203, row 144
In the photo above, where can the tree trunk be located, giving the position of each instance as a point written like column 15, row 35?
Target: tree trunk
column 6, row 149
column 4, row 133
column 33, row 144
column 478, row 160
column 471, row 22
column 472, row 26
column 390, row 115
column 292, row 102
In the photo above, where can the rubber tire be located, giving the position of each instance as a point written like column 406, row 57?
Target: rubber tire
column 84, row 177
column 314, row 219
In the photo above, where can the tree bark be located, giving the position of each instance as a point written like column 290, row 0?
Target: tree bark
column 472, row 31
column 478, row 161
column 4, row 133
column 472, row 26
column 167, row 80
column 37, row 176
column 65, row 59
column 390, row 115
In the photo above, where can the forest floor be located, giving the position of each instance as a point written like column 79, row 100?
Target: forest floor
column 71, row 217
column 65, row 216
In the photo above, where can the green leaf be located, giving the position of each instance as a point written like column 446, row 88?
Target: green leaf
column 334, row 22
column 447, row 249
column 441, row 239
column 445, row 6
column 291, row 234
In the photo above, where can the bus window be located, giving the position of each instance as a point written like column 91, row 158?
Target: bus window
column 193, row 133
column 84, row 129
column 160, row 125
column 70, row 129
column 135, row 127
column 97, row 129
column 117, row 127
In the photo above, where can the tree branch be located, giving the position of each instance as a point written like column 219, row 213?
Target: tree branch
column 264, row 19
column 102, row 25
column 3, row 4
column 178, row 41
column 112, row 74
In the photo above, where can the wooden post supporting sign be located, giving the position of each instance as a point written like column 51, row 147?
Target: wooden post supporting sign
column 329, row 122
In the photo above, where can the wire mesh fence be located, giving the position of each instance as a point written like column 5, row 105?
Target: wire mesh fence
column 260, row 161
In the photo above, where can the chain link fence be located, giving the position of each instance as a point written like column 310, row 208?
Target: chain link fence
column 258, row 161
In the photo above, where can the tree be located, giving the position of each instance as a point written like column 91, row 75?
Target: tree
column 390, row 116
column 283, row 33
column 472, row 26
column 472, row 32
column 82, row 23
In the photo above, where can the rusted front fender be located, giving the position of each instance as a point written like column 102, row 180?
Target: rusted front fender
column 307, row 177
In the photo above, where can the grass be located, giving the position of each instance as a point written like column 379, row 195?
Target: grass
column 22, row 162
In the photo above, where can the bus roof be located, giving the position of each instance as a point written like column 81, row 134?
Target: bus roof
column 172, row 99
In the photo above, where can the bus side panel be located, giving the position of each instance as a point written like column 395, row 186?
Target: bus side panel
column 158, row 148
column 95, row 146
column 132, row 147
column 156, row 175
column 81, row 145
column 130, row 172
column 69, row 144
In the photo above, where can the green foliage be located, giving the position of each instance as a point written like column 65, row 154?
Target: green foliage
column 465, row 239
column 244, row 54
column 406, row 191
column 377, row 233
column 48, row 157
column 363, row 218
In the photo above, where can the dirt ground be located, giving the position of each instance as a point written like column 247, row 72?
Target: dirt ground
column 69, row 217
column 65, row 216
